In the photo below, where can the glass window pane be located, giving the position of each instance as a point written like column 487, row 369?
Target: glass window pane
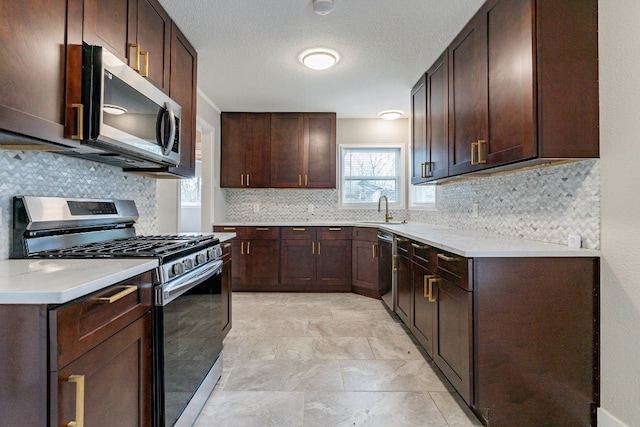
column 369, row 173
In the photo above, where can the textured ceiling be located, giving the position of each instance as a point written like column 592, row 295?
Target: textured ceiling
column 248, row 51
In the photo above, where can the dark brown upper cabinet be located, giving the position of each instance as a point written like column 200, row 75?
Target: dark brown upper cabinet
column 184, row 90
column 245, row 150
column 522, row 87
column 33, row 42
column 138, row 31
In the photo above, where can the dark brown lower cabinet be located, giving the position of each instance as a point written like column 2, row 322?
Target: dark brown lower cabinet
column 227, row 268
column 365, row 256
column 404, row 281
column 516, row 337
column 112, row 381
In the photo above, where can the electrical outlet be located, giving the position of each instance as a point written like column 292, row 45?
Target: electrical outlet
column 474, row 210
column 256, row 208
column 574, row 241
column 311, row 209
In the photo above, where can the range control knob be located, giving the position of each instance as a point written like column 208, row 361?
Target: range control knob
column 201, row 259
column 177, row 269
column 188, row 264
column 210, row 253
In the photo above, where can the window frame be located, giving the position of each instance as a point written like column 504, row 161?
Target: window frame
column 400, row 169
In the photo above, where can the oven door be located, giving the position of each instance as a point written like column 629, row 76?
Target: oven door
column 187, row 344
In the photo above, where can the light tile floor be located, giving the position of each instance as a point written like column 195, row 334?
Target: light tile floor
column 307, row 359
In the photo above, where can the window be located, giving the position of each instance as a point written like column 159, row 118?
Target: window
column 366, row 173
column 191, row 189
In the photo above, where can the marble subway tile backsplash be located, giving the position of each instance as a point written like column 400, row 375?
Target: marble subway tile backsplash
column 545, row 203
column 41, row 173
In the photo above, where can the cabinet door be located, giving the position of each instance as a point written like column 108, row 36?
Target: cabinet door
column 32, row 69
column 287, row 150
column 117, row 380
column 110, row 24
column 258, row 150
column 510, row 78
column 261, row 262
column 333, row 271
column 233, row 151
column 403, row 289
column 298, row 262
column 424, row 307
column 365, row 268
column 319, row 150
column 153, row 34
column 183, row 90
column 418, row 131
column 437, row 120
column 467, row 95
column 452, row 350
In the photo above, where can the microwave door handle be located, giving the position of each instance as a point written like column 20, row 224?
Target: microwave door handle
column 168, row 115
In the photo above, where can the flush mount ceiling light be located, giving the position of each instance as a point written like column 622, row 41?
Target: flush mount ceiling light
column 391, row 114
column 322, row 7
column 319, row 59
column 116, row 110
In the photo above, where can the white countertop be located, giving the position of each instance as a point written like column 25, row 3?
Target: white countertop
column 56, row 281
column 225, row 236
column 466, row 243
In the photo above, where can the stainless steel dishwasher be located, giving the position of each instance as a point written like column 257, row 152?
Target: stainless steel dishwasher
column 385, row 269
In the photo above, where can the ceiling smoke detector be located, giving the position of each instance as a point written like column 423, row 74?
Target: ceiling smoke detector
column 323, row 7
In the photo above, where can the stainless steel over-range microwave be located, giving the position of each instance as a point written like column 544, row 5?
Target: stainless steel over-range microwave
column 119, row 116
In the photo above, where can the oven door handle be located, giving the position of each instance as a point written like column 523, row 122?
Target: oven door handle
column 172, row 290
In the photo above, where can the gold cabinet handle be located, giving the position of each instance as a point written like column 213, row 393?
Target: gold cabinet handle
column 136, row 56
column 241, row 180
column 422, row 170
column 313, row 248
column 318, row 248
column 401, row 239
column 79, row 121
column 226, row 245
column 335, row 229
column 431, row 282
column 417, row 246
column 298, row 229
column 428, row 170
column 481, row 160
column 248, row 248
column 306, row 180
column 474, row 148
column 373, row 250
column 241, row 248
column 248, row 180
column 79, row 381
column 262, row 228
column 299, row 180
column 123, row 293
column 229, row 228
column 447, row 258
column 145, row 72
column 426, row 285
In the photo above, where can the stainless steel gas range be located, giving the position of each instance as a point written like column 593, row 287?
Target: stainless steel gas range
column 187, row 314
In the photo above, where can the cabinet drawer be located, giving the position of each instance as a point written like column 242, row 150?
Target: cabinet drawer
column 265, row 233
column 403, row 245
column 365, row 234
column 226, row 250
column 424, row 255
column 298, row 233
column 82, row 324
column 334, row 233
column 455, row 269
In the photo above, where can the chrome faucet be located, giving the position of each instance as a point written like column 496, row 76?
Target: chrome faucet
column 387, row 217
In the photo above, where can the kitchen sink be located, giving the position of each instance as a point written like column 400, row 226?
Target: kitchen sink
column 382, row 222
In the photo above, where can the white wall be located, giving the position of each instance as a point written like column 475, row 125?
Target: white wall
column 620, row 212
